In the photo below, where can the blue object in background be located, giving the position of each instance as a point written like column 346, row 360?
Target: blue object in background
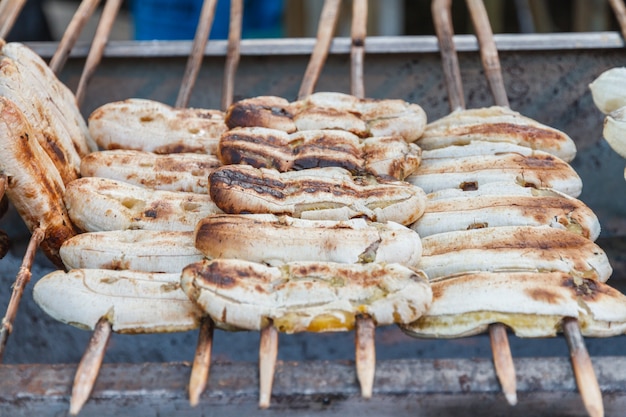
column 178, row 19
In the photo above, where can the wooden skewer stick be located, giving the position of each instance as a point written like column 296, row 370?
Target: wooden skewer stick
column 70, row 36
column 202, row 361
column 357, row 51
column 89, row 366
column 442, row 16
column 232, row 53
column 96, row 51
column 207, row 13
column 9, row 12
column 365, row 354
column 22, row 279
column 620, row 13
column 501, row 350
column 488, row 51
column 325, row 30
column 583, row 368
column 268, row 352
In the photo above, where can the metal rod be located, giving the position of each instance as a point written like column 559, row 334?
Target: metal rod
column 9, row 12
column 233, row 54
column 583, row 368
column 22, row 279
column 488, row 51
column 202, row 361
column 84, row 11
column 442, row 16
column 268, row 352
column 207, row 13
column 89, row 366
column 357, row 50
column 100, row 40
column 325, row 30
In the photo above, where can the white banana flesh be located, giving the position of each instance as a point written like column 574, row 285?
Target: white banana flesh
column 136, row 250
column 614, row 130
column 306, row 296
column 513, row 248
column 608, row 90
column 148, row 125
column 186, row 172
column 99, row 204
column 532, row 304
column 132, row 301
column 497, row 204
column 280, row 239
column 496, row 124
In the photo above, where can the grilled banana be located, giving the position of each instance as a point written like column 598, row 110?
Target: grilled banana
column 306, row 296
column 316, row 194
column 187, row 172
column 100, row 204
column 513, row 248
column 132, row 301
column 137, row 250
column 498, row 204
column 275, row 240
column 532, row 304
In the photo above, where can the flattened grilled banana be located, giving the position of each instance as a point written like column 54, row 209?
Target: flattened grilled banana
column 275, row 240
column 306, row 296
column 136, row 250
column 532, row 304
column 132, row 301
column 608, row 90
column 99, row 204
column 513, row 248
column 187, row 172
column 499, row 124
column 387, row 156
column 497, row 204
column 148, row 125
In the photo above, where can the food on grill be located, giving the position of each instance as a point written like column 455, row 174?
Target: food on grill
column 330, row 110
column 306, row 296
column 100, row 204
column 188, row 172
column 469, row 167
column 279, row 239
column 44, row 115
column 133, row 302
column 316, row 194
column 532, row 304
column 499, row 124
column 33, row 184
column 615, row 130
column 46, row 85
column 608, row 90
column 148, row 125
column 513, row 248
column 505, row 204
column 388, row 156
column 137, row 250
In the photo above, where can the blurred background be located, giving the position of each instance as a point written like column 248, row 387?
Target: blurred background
column 46, row 20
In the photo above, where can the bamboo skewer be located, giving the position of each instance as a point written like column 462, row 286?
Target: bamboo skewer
column 9, row 12
column 268, row 352
column 22, row 279
column 232, row 54
column 202, row 361
column 96, row 51
column 326, row 28
column 581, row 362
column 501, row 350
column 89, row 366
column 620, row 14
column 357, row 50
column 84, row 11
column 207, row 14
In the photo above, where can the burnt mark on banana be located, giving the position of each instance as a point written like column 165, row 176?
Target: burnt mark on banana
column 528, row 133
column 265, row 111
